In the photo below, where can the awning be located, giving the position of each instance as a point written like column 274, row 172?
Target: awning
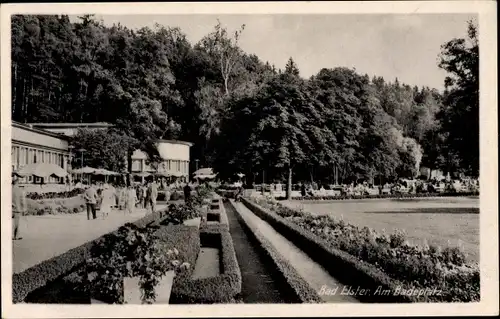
column 84, row 170
column 43, row 170
column 211, row 176
column 204, row 171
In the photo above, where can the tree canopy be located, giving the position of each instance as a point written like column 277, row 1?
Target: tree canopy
column 241, row 113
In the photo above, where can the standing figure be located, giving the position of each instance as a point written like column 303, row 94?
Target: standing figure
column 90, row 197
column 131, row 199
column 187, row 193
column 19, row 207
column 152, row 194
column 108, row 200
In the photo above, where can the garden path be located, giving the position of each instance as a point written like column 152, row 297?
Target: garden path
column 48, row 236
column 258, row 277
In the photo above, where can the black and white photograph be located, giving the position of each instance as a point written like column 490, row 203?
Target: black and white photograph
column 162, row 157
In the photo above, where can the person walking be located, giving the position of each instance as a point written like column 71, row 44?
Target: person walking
column 131, row 199
column 187, row 193
column 152, row 194
column 19, row 207
column 90, row 197
column 108, row 200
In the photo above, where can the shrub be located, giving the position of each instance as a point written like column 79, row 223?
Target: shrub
column 51, row 269
column 50, row 195
column 414, row 266
column 219, row 289
column 70, row 205
column 129, row 252
column 389, row 196
column 176, row 195
column 179, row 213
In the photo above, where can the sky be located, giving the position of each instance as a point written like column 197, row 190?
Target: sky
column 389, row 45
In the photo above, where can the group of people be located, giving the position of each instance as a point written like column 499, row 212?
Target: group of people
column 108, row 197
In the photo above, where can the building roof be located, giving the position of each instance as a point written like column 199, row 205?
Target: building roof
column 30, row 127
column 176, row 142
column 72, row 125
column 44, row 127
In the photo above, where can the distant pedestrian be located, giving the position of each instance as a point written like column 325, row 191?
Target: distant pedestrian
column 303, row 190
column 19, row 207
column 152, row 194
column 131, row 200
column 108, row 200
column 90, row 197
column 187, row 193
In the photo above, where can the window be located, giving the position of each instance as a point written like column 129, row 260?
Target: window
column 178, row 165
column 61, row 160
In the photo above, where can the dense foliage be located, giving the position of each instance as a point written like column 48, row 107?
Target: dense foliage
column 243, row 115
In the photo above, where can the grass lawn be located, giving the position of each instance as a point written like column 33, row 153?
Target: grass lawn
column 440, row 221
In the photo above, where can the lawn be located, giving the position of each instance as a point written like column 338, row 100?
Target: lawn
column 439, row 221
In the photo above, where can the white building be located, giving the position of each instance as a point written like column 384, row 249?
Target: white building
column 175, row 154
column 33, row 145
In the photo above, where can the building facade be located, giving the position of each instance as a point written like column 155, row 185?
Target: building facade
column 34, row 145
column 175, row 154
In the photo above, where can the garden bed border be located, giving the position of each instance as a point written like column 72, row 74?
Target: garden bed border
column 218, row 289
column 299, row 287
column 383, row 196
column 354, row 271
column 51, row 269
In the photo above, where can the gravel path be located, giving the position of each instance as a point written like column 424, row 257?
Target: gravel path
column 258, row 277
column 47, row 236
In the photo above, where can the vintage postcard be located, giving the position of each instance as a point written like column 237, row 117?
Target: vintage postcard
column 249, row 159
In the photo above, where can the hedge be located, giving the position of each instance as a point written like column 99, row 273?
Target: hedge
column 354, row 272
column 220, row 213
column 51, row 269
column 49, row 195
column 71, row 205
column 300, row 289
column 219, row 289
column 388, row 196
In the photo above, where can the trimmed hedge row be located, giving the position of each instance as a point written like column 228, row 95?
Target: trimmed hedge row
column 51, row 195
column 388, row 196
column 68, row 288
column 51, row 269
column 300, row 289
column 354, row 272
column 219, row 289
column 220, row 213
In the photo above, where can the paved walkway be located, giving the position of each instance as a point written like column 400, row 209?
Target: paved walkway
column 50, row 235
column 317, row 276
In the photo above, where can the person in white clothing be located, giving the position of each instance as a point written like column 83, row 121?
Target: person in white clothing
column 108, row 200
column 131, row 199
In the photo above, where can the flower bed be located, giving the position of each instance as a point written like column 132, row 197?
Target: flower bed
column 370, row 259
column 218, row 289
column 298, row 287
column 55, row 206
column 396, row 196
column 69, row 288
column 51, row 269
column 51, row 195
column 215, row 218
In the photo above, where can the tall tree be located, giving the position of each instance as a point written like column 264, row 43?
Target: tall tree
column 460, row 118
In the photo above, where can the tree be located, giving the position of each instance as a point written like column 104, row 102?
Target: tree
column 225, row 50
column 460, row 116
column 103, row 149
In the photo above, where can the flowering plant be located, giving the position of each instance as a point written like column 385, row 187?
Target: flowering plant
column 416, row 265
column 129, row 252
